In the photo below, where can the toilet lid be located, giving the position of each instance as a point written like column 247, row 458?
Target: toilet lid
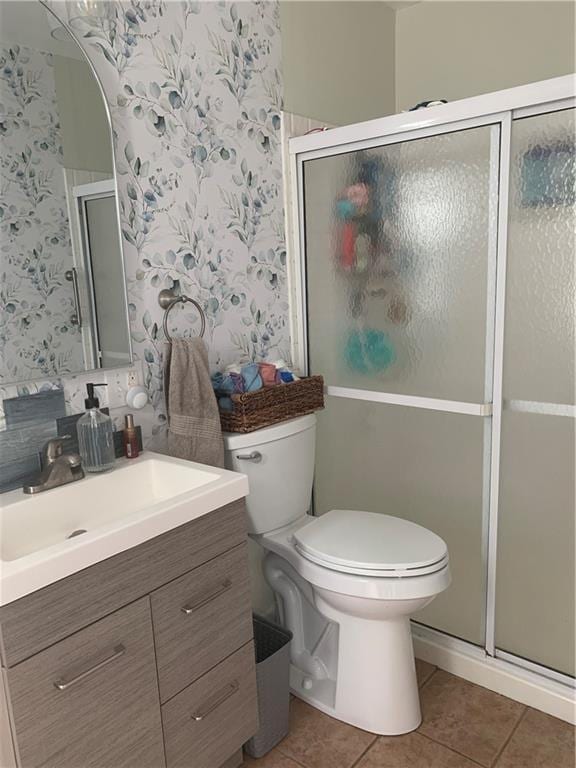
column 355, row 541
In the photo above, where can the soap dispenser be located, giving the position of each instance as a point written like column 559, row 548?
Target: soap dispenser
column 95, row 436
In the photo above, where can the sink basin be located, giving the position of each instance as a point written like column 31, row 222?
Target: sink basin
column 49, row 536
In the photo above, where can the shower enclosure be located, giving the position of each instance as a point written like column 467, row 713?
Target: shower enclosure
column 435, row 291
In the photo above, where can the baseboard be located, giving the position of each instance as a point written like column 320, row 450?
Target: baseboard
column 497, row 675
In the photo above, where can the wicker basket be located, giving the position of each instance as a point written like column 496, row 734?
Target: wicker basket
column 270, row 405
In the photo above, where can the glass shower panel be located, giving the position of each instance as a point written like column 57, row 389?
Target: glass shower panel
column 536, row 559
column 540, row 285
column 424, row 466
column 398, row 244
column 535, row 570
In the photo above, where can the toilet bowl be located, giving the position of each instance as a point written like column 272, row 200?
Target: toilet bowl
column 346, row 583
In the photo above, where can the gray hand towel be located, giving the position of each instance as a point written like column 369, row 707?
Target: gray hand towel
column 194, row 430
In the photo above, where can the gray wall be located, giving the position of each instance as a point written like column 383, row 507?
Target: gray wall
column 345, row 62
column 453, row 50
column 338, row 60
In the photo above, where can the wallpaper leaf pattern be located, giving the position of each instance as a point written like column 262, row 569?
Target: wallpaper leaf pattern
column 36, row 336
column 195, row 92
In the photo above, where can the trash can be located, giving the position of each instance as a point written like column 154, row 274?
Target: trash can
column 272, row 645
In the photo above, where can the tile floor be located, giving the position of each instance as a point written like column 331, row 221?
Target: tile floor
column 464, row 726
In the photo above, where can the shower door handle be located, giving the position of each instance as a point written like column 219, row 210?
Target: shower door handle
column 72, row 276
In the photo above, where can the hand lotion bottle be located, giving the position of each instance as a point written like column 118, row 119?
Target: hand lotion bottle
column 131, row 449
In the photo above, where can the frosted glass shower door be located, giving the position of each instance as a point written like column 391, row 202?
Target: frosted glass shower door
column 400, row 250
column 535, row 570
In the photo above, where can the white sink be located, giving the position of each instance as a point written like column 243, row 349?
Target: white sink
column 107, row 514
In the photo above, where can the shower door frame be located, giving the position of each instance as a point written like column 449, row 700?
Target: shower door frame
column 500, row 108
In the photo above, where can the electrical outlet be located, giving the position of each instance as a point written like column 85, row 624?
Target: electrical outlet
column 114, row 391
column 132, row 379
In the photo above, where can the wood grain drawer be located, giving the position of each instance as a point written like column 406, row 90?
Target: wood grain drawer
column 209, row 720
column 92, row 699
column 201, row 618
column 38, row 620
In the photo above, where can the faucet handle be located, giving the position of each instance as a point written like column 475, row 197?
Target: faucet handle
column 74, row 460
column 53, row 449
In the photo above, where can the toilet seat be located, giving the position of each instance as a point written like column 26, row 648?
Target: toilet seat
column 370, row 544
column 375, row 585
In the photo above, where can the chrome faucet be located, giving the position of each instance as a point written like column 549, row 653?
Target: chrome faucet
column 59, row 468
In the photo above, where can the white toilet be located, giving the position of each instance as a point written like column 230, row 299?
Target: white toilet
column 346, row 583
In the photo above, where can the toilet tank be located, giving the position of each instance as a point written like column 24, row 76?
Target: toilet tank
column 279, row 463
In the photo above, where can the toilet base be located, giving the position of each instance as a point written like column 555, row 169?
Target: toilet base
column 376, row 687
column 352, row 657
column 322, row 689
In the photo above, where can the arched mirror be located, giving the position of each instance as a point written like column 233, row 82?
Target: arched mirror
column 63, row 305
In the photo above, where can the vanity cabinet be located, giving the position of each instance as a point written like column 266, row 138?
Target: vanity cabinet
column 201, row 618
column 92, row 699
column 144, row 660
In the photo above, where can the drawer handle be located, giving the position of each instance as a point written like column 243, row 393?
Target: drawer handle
column 62, row 685
column 223, row 696
column 224, row 587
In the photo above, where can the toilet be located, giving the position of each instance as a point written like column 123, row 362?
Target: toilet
column 345, row 583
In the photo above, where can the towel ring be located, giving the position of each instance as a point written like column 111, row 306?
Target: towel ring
column 168, row 299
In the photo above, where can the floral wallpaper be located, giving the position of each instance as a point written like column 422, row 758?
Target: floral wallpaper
column 36, row 336
column 195, row 92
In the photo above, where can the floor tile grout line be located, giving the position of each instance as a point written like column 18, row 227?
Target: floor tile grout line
column 290, row 756
column 451, row 749
column 368, row 748
column 509, row 739
column 427, row 680
column 430, row 676
column 352, row 765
